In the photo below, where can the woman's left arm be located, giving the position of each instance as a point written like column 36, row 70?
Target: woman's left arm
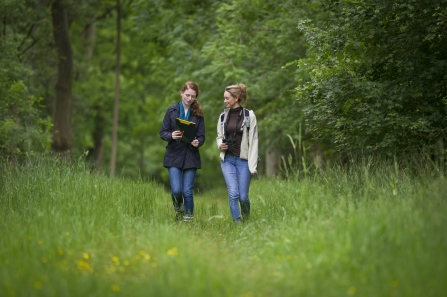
column 253, row 144
column 200, row 132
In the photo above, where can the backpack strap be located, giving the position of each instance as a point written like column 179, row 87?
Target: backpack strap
column 222, row 124
column 247, row 119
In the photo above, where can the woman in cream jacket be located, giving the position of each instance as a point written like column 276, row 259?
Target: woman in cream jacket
column 237, row 140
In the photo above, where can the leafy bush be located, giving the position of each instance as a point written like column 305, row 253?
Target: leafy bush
column 22, row 129
column 377, row 72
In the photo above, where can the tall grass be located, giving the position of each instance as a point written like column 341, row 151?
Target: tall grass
column 372, row 230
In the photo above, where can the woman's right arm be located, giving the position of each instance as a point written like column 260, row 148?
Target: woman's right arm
column 219, row 134
column 165, row 131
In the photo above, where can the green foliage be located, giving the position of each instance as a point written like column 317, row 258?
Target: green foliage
column 166, row 44
column 28, row 25
column 373, row 79
column 172, row 34
column 377, row 73
column 255, row 42
column 23, row 130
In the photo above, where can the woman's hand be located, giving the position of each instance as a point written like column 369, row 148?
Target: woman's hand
column 177, row 135
column 195, row 143
column 223, row 147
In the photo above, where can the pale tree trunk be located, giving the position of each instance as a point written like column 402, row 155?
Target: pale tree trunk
column 90, row 37
column 95, row 153
column 88, row 40
column 117, row 91
column 317, row 155
column 272, row 154
column 62, row 135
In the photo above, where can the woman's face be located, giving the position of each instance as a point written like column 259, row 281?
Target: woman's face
column 230, row 101
column 188, row 97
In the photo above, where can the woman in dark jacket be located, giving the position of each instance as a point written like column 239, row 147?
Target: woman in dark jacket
column 182, row 159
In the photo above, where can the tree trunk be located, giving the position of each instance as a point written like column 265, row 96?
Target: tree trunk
column 272, row 154
column 62, row 136
column 317, row 155
column 117, row 91
column 88, row 40
column 95, row 153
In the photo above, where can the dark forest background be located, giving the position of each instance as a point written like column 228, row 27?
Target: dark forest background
column 329, row 80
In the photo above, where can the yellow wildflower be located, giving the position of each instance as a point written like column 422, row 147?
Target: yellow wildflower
column 173, row 252
column 38, row 285
column 84, row 266
column 352, row 290
column 115, row 288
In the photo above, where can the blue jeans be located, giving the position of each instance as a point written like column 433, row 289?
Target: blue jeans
column 182, row 188
column 237, row 177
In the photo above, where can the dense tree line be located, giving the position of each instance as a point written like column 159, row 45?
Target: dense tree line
column 378, row 75
column 325, row 77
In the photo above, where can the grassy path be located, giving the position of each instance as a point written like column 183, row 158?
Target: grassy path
column 65, row 232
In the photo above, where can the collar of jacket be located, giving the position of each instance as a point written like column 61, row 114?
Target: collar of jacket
column 225, row 112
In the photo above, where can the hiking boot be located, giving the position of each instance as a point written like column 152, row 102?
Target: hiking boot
column 178, row 216
column 179, row 209
column 188, row 218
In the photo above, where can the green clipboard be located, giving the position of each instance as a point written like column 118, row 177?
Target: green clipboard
column 188, row 129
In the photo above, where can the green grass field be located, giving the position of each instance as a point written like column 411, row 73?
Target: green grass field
column 368, row 231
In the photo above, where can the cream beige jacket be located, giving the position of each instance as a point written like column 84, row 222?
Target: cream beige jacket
column 249, row 145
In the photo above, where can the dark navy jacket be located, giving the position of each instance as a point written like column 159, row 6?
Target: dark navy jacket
column 178, row 153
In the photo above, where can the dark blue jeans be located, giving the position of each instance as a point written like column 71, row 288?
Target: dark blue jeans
column 182, row 188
